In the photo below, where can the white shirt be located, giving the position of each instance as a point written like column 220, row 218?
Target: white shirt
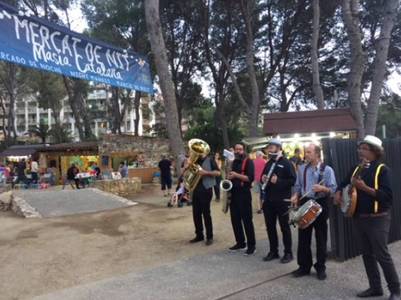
column 34, row 167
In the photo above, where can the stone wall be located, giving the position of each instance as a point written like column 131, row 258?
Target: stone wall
column 150, row 148
column 121, row 187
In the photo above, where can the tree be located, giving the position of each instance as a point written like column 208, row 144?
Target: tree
column 42, row 131
column 359, row 60
column 358, row 57
column 203, row 126
column 382, row 45
column 76, row 89
column 166, row 84
column 11, row 87
column 49, row 90
column 317, row 89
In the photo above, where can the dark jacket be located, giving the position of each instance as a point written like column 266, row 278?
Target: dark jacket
column 249, row 171
column 286, row 177
column 384, row 194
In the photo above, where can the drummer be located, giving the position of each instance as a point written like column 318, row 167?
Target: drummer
column 315, row 181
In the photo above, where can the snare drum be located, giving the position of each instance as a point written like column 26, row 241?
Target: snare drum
column 306, row 214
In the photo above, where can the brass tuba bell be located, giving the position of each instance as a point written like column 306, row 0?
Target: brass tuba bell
column 197, row 148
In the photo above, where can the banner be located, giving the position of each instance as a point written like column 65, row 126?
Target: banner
column 37, row 43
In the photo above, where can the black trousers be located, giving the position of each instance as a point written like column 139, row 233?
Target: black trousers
column 272, row 211
column 201, row 199
column 373, row 236
column 217, row 187
column 241, row 216
column 304, row 253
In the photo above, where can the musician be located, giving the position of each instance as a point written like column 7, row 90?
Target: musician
column 201, row 198
column 241, row 175
column 372, row 217
column 318, row 182
column 279, row 175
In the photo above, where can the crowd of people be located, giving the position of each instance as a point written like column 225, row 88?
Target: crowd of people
column 283, row 183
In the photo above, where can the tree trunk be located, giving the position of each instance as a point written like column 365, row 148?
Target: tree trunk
column 78, row 107
column 3, row 117
column 166, row 83
column 253, row 117
column 352, row 26
column 74, row 107
column 115, row 111
column 137, row 105
column 10, row 84
column 379, row 64
column 317, row 89
column 221, row 121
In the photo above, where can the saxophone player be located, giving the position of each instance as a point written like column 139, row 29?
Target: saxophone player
column 241, row 176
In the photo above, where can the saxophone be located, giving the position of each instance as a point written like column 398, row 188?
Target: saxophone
column 197, row 148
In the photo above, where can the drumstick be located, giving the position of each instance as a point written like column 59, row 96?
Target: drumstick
column 306, row 194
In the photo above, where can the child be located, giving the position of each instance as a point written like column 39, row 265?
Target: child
column 181, row 195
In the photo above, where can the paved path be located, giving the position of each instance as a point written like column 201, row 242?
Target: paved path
column 69, row 202
column 225, row 275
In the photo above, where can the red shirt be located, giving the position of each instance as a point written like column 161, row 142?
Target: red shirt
column 259, row 166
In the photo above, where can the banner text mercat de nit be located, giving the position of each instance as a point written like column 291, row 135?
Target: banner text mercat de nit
column 37, row 43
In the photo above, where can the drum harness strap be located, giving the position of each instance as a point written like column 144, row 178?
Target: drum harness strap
column 243, row 166
column 377, row 173
column 322, row 167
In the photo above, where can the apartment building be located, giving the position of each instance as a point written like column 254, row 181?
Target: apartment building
column 29, row 114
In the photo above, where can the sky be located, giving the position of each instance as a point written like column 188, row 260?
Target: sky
column 78, row 21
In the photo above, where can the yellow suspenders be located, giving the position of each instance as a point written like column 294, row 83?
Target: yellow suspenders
column 376, row 204
column 376, row 209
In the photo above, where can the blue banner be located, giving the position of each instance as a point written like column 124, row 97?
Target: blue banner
column 37, row 43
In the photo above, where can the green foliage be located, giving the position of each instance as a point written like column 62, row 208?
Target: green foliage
column 42, row 131
column 60, row 134
column 203, row 126
column 49, row 89
column 390, row 116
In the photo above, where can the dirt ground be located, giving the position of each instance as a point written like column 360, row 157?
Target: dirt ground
column 38, row 256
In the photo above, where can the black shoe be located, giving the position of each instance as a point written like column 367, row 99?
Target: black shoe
column 321, row 275
column 250, row 251
column 394, row 296
column 286, row 258
column 237, row 247
column 300, row 273
column 209, row 242
column 270, row 256
column 370, row 293
column 197, row 239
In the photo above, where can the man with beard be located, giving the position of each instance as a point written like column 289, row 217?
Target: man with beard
column 318, row 182
column 241, row 176
column 278, row 178
column 372, row 216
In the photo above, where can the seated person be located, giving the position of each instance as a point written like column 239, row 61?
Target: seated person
column 180, row 196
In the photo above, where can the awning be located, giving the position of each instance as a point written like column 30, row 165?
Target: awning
column 21, row 150
column 330, row 120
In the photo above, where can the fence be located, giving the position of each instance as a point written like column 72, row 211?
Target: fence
column 342, row 156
